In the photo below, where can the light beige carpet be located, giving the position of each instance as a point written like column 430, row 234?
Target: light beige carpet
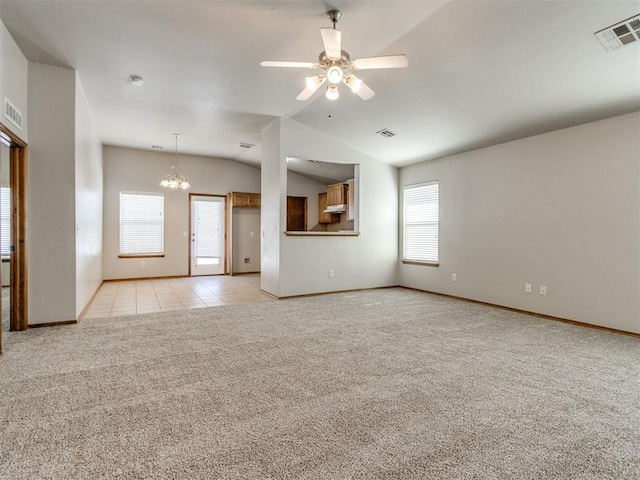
column 391, row 383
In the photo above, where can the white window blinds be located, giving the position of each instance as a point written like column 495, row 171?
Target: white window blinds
column 420, row 223
column 5, row 221
column 141, row 223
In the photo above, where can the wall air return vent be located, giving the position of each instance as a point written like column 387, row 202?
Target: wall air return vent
column 621, row 34
column 12, row 113
column 386, row 133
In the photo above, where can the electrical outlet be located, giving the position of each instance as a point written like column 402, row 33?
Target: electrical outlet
column 330, row 273
column 527, row 287
column 543, row 290
column 143, row 263
column 454, row 277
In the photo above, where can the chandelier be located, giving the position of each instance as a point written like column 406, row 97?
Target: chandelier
column 173, row 179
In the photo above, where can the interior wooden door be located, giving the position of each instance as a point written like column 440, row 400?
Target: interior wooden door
column 296, row 214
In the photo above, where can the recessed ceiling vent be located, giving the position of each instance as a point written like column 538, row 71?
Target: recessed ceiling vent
column 621, row 34
column 246, row 145
column 12, row 113
column 386, row 133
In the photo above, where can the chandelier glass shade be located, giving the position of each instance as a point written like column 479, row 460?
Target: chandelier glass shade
column 173, row 179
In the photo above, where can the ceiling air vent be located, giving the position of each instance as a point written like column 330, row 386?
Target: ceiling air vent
column 246, row 145
column 621, row 34
column 12, row 113
column 386, row 133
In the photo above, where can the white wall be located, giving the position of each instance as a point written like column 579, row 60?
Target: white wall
column 132, row 170
column 88, row 174
column 51, row 217
column 246, row 239
column 273, row 190
column 303, row 262
column 560, row 209
column 13, row 81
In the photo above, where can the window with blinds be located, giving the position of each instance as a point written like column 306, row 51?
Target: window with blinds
column 5, row 221
column 141, row 223
column 420, row 223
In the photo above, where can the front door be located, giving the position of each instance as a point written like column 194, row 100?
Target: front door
column 207, row 235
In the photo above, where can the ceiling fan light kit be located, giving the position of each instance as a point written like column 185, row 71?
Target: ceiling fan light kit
column 335, row 74
column 338, row 66
column 354, row 83
column 313, row 83
column 332, row 92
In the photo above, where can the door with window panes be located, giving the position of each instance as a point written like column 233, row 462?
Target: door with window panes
column 207, row 235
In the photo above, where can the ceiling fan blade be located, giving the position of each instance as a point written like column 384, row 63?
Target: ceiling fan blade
column 332, row 40
column 387, row 61
column 313, row 84
column 364, row 92
column 305, row 94
column 270, row 63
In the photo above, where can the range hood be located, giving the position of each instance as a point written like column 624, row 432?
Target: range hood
column 336, row 208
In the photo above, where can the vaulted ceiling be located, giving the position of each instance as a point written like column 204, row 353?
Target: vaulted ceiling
column 480, row 72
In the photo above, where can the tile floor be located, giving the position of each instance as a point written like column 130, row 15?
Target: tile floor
column 127, row 297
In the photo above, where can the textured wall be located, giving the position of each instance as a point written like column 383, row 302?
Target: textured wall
column 560, row 209
column 51, row 220
column 89, row 179
column 13, row 80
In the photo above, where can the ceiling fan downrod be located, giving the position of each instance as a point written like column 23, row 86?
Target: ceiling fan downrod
column 334, row 16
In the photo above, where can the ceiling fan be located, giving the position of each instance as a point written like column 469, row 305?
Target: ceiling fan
column 338, row 67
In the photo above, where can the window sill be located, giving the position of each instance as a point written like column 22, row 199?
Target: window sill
column 142, row 255
column 322, row 234
column 426, row 264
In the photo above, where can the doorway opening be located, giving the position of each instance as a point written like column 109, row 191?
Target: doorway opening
column 13, row 168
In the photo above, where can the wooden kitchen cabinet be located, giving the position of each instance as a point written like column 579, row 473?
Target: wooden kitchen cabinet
column 243, row 199
column 326, row 217
column 337, row 194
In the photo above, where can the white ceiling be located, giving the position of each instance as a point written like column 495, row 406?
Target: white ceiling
column 480, row 72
